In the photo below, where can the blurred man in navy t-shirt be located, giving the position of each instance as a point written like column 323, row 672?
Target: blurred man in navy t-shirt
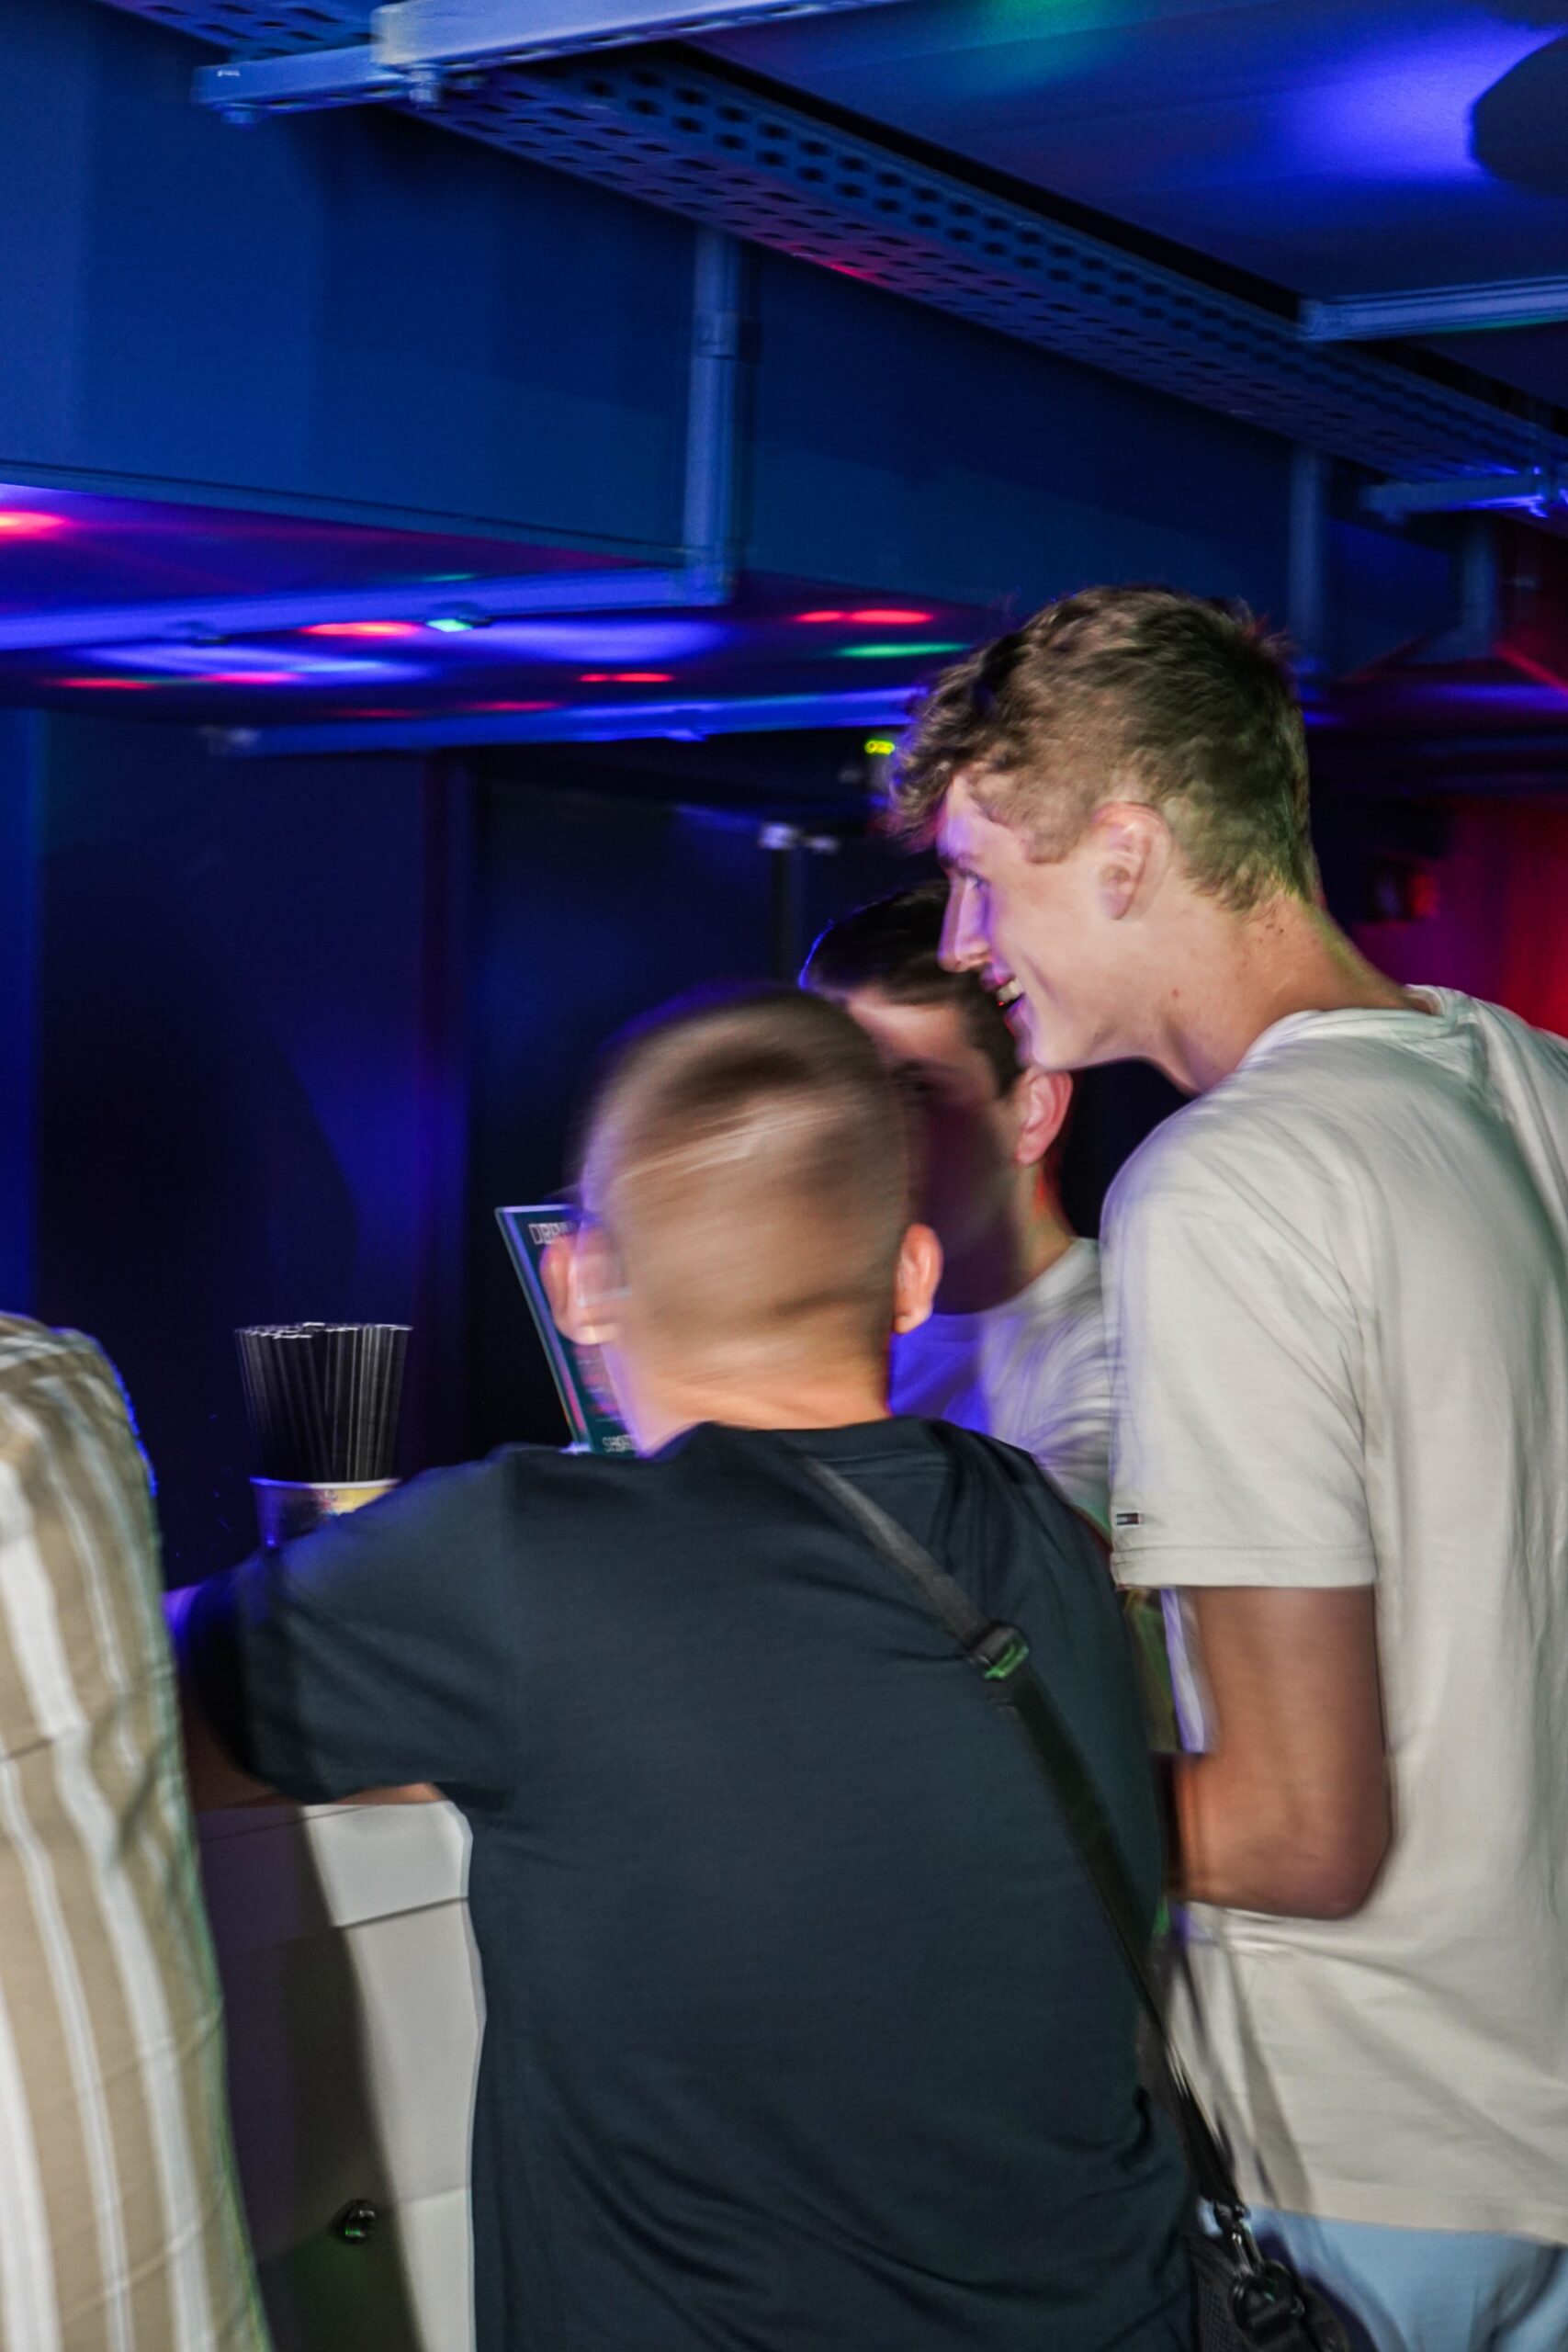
column 803, row 2031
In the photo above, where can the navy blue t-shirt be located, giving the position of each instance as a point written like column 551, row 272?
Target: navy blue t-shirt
column 804, row 2033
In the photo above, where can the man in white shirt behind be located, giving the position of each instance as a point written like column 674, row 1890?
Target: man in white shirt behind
column 1016, row 1346
column 1339, row 1296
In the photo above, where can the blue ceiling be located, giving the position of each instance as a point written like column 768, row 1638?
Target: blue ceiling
column 1329, row 146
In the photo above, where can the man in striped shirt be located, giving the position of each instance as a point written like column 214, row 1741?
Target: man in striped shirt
column 120, row 2228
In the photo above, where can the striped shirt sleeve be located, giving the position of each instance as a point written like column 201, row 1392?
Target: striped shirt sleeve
column 120, row 2228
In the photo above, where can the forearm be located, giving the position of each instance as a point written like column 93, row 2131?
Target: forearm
column 1236, row 1843
column 1289, row 1809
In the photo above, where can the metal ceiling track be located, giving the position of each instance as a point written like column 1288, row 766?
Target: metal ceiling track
column 668, row 128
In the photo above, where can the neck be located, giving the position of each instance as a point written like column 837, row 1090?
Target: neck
column 1225, row 978
column 659, row 1402
column 1028, row 1236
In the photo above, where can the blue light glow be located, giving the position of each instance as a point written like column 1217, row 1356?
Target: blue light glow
column 604, row 643
column 1403, row 113
column 201, row 661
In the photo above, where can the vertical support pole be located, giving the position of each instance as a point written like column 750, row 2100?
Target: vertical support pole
column 1307, row 557
column 710, row 522
column 435, row 1422
column 21, row 848
column 786, row 897
column 1480, row 592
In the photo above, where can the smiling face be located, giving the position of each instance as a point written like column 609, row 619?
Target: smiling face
column 1044, row 933
column 966, row 1129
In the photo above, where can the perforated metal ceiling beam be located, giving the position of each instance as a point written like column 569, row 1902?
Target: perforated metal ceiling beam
column 670, row 130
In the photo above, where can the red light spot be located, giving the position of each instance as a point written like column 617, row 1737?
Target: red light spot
column 371, row 714
column 361, row 628
column 821, row 616
column 114, row 685
column 888, row 615
column 627, row 677
column 514, row 706
column 17, row 523
column 1422, row 898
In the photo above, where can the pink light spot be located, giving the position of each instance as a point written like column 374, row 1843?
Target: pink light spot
column 361, row 628
column 111, row 686
column 247, row 678
column 821, row 616
column 627, row 677
column 21, row 522
column 514, row 706
column 889, row 616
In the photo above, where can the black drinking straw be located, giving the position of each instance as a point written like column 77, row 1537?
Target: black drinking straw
column 323, row 1399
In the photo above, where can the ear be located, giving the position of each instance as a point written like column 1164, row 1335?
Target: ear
column 1132, row 849
column 919, row 1270
column 1044, row 1098
column 580, row 1279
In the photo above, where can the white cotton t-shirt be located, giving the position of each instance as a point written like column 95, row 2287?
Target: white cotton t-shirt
column 1338, row 1300
column 1034, row 1372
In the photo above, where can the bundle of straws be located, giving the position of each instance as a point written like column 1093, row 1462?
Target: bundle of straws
column 323, row 1399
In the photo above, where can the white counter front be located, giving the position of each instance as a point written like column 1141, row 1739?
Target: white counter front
column 353, row 2020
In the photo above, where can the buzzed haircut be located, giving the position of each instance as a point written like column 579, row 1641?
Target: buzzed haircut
column 1185, row 703
column 748, row 1159
column 893, row 946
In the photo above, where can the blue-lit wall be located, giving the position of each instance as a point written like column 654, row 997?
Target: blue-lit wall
column 346, row 308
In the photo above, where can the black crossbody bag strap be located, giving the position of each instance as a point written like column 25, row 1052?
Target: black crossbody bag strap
column 1000, row 1655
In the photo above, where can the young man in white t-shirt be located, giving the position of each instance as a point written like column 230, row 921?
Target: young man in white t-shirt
column 1016, row 1346
column 1338, row 1295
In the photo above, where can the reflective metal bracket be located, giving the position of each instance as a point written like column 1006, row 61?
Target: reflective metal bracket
column 1437, row 310
column 415, row 45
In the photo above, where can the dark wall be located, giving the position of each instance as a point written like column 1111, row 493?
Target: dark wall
column 230, row 1098
column 21, row 803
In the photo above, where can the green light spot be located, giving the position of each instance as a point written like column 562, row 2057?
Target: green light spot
column 449, row 625
column 893, row 653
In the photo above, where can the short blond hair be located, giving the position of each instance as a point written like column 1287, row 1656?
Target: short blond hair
column 748, row 1155
column 1185, row 703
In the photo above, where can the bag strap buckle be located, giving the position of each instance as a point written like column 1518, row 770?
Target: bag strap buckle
column 998, row 1653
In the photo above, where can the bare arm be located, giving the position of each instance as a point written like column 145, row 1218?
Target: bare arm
column 1291, row 1811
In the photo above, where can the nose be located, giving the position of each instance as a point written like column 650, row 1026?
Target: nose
column 965, row 947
